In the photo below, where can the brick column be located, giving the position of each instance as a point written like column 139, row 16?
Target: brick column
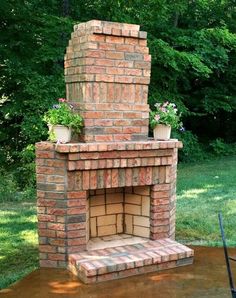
column 107, row 72
column 163, row 202
column 51, row 205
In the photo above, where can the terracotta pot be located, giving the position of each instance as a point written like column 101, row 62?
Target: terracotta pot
column 61, row 133
column 162, row 132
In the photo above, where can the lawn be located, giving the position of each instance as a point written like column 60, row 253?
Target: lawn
column 203, row 189
column 18, row 241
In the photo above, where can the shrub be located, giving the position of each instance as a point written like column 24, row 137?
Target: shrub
column 192, row 150
column 219, row 147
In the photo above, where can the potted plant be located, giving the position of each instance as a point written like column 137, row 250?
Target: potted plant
column 61, row 121
column 163, row 118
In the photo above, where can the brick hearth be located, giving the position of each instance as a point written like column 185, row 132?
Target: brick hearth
column 112, row 182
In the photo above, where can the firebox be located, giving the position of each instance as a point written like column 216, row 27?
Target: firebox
column 107, row 201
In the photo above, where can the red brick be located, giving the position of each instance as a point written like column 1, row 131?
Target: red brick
column 46, row 233
column 79, row 241
column 94, row 69
column 104, row 78
column 42, row 225
column 115, row 55
column 132, row 41
column 123, row 79
column 45, row 146
column 142, row 42
column 124, row 63
column 57, row 257
column 48, row 263
column 160, row 194
column 122, row 137
column 54, row 163
column 95, row 54
column 93, row 179
column 116, row 31
column 147, row 58
column 104, row 62
column 47, row 218
column 47, row 248
column 78, row 210
column 76, row 234
column 114, row 71
column 75, row 226
column 96, row 37
column 107, row 46
column 133, row 72
column 141, row 80
column 114, row 39
column 56, row 226
column 77, row 195
column 56, row 211
column 125, row 48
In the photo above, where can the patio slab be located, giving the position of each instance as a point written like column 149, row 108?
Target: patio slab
column 207, row 277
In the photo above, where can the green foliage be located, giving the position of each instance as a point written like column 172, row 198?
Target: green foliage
column 192, row 150
column 62, row 114
column 219, row 147
column 166, row 114
column 18, row 184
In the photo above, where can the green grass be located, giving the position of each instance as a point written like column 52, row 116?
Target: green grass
column 203, row 190
column 18, row 238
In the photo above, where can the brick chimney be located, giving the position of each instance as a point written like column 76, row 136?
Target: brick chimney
column 107, row 72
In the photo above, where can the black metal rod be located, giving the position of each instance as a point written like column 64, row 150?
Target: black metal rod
column 231, row 283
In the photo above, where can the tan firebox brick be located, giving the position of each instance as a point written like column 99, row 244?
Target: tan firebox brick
column 145, row 205
column 142, row 221
column 141, row 231
column 97, row 211
column 133, row 209
column 97, row 200
column 106, row 220
column 133, row 199
column 114, row 198
column 128, row 224
column 114, row 208
column 93, row 227
column 87, row 226
column 142, row 190
column 119, row 223
column 106, row 230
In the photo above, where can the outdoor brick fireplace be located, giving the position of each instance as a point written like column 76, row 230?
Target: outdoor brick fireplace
column 106, row 201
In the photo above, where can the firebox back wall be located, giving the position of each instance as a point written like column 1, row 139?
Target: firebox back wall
column 120, row 210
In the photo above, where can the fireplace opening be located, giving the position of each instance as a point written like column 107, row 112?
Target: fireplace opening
column 118, row 215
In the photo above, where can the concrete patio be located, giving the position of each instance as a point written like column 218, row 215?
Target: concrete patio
column 207, row 277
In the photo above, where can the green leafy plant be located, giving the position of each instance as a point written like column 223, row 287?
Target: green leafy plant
column 63, row 114
column 165, row 113
column 219, row 147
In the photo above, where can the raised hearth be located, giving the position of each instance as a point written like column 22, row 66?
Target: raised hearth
column 127, row 260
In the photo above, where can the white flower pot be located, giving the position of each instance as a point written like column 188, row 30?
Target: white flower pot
column 61, row 133
column 162, row 132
